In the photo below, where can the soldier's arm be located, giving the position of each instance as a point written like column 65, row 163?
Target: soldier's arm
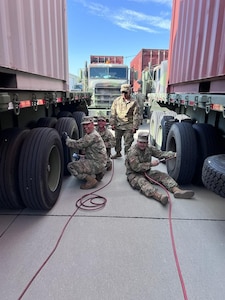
column 137, row 166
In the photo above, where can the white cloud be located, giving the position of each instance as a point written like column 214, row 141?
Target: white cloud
column 166, row 2
column 97, row 9
column 136, row 18
column 129, row 19
column 129, row 25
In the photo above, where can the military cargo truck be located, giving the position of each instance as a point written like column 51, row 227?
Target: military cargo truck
column 104, row 77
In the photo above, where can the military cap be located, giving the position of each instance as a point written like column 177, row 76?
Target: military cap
column 125, row 88
column 87, row 120
column 143, row 137
column 101, row 118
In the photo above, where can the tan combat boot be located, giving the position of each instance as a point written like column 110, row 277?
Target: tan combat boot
column 163, row 199
column 90, row 184
column 184, row 194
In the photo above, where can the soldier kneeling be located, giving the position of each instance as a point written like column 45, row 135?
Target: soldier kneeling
column 95, row 157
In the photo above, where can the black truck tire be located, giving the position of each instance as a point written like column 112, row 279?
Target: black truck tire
column 213, row 174
column 11, row 141
column 208, row 144
column 46, row 122
column 68, row 125
column 64, row 114
column 41, row 168
column 78, row 116
column 182, row 140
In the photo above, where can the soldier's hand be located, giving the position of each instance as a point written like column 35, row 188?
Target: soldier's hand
column 154, row 162
column 134, row 130
column 68, row 140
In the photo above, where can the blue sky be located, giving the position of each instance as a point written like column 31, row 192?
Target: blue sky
column 115, row 27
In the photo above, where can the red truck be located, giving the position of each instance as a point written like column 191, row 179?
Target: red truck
column 188, row 95
column 36, row 105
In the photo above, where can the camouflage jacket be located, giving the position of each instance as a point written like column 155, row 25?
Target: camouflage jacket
column 93, row 146
column 108, row 137
column 140, row 98
column 139, row 161
column 124, row 115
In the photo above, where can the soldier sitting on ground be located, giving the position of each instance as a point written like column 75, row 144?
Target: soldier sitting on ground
column 139, row 162
column 108, row 139
column 94, row 162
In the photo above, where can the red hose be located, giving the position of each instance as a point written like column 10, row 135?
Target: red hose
column 86, row 202
column 172, row 237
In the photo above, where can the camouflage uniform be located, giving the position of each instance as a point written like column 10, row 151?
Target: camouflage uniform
column 95, row 155
column 141, row 101
column 138, row 162
column 125, row 118
column 109, row 141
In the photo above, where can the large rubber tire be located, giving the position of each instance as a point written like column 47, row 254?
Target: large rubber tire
column 213, row 174
column 41, row 168
column 64, row 114
column 46, row 122
column 68, row 125
column 182, row 140
column 11, row 141
column 208, row 144
column 78, row 116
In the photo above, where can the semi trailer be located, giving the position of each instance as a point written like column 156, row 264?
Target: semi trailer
column 36, row 106
column 187, row 97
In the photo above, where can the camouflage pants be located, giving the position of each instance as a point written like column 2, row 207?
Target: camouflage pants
column 108, row 150
column 128, row 139
column 83, row 167
column 141, row 183
column 141, row 113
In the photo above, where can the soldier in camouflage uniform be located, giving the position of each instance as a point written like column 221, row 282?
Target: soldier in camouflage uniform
column 108, row 139
column 139, row 161
column 124, row 119
column 95, row 159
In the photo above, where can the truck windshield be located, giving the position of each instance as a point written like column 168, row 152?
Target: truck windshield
column 108, row 72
